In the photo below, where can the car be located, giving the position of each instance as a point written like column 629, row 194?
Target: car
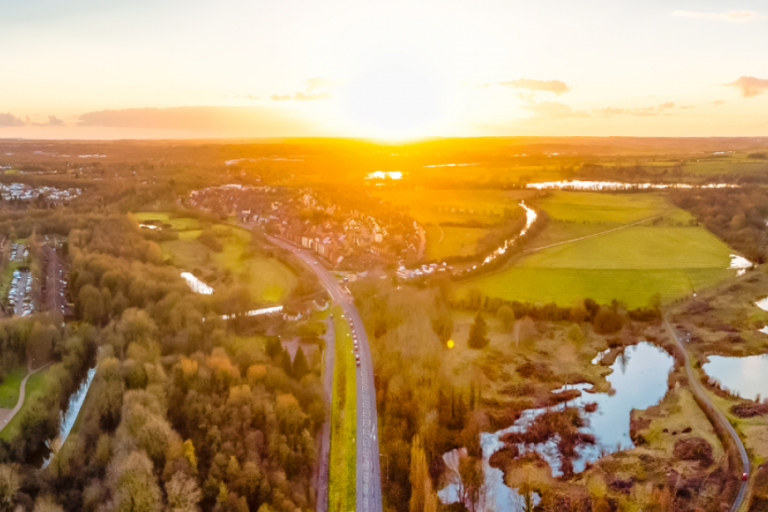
column 744, row 477
column 358, row 363
column 356, row 348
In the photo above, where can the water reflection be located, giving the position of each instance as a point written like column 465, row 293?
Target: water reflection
column 69, row 416
column 195, row 284
column 616, row 185
column 638, row 381
column 745, row 376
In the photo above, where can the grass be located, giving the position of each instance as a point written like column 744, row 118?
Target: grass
column 342, row 472
column 595, row 207
column 11, row 386
column 268, row 280
column 445, row 241
column 37, row 385
column 438, row 206
column 434, row 208
column 565, row 286
column 666, row 256
column 638, row 247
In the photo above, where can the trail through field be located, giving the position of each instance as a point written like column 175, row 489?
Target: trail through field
column 6, row 415
column 601, row 233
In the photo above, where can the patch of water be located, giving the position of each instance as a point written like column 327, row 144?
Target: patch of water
column 69, row 416
column 616, row 185
column 762, row 304
column 745, row 376
column 739, row 263
column 195, row 284
column 638, row 381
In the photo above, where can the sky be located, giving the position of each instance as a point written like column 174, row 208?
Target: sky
column 101, row 69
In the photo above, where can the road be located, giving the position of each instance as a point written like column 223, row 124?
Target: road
column 368, row 476
column 698, row 389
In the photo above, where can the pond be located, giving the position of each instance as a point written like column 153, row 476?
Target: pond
column 638, row 381
column 745, row 376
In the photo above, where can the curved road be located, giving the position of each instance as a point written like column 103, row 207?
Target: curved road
column 368, row 476
column 698, row 389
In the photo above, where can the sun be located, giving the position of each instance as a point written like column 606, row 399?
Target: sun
column 393, row 100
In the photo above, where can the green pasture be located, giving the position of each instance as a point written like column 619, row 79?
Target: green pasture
column 445, row 241
column 268, row 279
column 565, row 286
column 177, row 223
column 459, row 206
column 596, row 207
column 10, row 387
column 342, row 467
column 637, row 247
column 37, row 385
column 667, row 255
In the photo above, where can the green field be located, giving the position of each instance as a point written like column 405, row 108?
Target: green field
column 593, row 207
column 460, row 206
column 667, row 256
column 341, row 472
column 36, row 386
column 476, row 210
column 446, row 241
column 267, row 278
column 9, row 389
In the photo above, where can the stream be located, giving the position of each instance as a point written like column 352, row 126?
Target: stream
column 69, row 416
column 638, row 381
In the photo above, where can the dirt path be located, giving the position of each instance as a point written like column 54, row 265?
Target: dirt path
column 6, row 415
column 719, row 417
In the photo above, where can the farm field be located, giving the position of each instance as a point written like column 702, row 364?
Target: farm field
column 456, row 219
column 667, row 256
column 593, row 207
column 267, row 278
column 446, row 241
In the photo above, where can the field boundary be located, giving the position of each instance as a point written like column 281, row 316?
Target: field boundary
column 536, row 249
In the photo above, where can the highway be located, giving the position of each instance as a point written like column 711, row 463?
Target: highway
column 698, row 389
column 368, row 476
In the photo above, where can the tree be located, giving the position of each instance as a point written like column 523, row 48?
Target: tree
column 507, row 316
column 183, row 493
column 9, row 485
column 525, row 330
column 133, row 484
column 300, row 365
column 46, row 503
column 423, row 499
column 478, row 333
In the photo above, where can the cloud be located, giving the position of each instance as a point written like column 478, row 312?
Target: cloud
column 640, row 111
column 52, row 121
column 300, row 96
column 9, row 119
column 686, row 107
column 554, row 110
column 320, row 83
column 555, row 86
column 245, row 121
column 718, row 102
column 750, row 86
column 730, row 16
